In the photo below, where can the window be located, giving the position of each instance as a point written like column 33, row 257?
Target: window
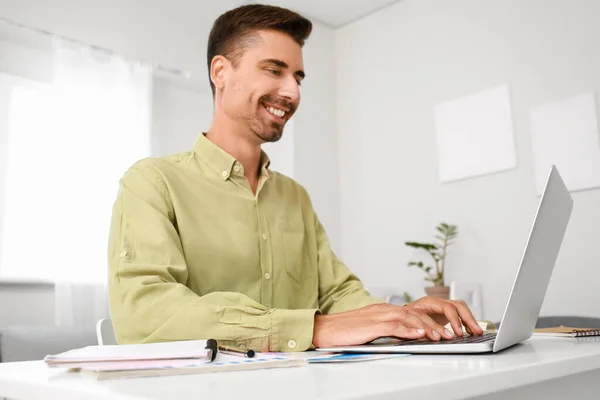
column 64, row 145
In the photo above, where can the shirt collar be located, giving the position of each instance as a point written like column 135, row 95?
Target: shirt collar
column 223, row 163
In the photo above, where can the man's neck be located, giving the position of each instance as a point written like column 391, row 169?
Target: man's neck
column 237, row 144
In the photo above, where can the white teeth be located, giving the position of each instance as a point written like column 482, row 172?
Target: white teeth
column 276, row 111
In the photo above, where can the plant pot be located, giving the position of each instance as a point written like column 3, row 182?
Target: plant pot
column 442, row 292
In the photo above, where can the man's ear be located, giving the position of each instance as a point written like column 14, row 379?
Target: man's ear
column 218, row 71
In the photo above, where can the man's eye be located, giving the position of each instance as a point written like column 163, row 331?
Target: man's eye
column 274, row 72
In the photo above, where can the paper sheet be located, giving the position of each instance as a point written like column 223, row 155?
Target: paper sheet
column 320, row 357
column 475, row 135
column 565, row 133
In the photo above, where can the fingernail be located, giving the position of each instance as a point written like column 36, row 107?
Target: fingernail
column 420, row 331
column 459, row 330
column 436, row 335
column 448, row 333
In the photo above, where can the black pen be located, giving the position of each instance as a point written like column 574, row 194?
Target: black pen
column 211, row 344
column 236, row 351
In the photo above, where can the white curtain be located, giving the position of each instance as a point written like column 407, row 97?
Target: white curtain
column 69, row 144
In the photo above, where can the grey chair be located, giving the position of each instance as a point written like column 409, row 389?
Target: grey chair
column 105, row 333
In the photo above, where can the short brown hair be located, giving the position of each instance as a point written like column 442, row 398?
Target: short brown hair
column 233, row 30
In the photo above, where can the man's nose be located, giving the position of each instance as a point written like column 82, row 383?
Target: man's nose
column 290, row 90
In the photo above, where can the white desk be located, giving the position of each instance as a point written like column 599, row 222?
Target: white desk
column 552, row 368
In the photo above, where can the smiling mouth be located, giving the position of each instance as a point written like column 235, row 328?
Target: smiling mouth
column 276, row 112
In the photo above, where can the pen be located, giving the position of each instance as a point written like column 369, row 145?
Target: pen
column 211, row 344
column 236, row 351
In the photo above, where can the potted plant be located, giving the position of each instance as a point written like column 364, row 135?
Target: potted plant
column 446, row 233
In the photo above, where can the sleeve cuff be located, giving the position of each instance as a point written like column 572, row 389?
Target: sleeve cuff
column 292, row 330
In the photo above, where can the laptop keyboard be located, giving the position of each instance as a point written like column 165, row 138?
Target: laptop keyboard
column 486, row 337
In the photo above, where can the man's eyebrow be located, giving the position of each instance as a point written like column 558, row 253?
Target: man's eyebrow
column 282, row 64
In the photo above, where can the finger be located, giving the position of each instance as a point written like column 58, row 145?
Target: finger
column 451, row 313
column 468, row 328
column 414, row 319
column 405, row 332
column 410, row 319
column 435, row 324
column 467, row 317
column 435, row 331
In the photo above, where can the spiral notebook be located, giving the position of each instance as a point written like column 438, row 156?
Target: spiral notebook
column 565, row 331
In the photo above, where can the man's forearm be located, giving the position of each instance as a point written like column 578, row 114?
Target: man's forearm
column 170, row 311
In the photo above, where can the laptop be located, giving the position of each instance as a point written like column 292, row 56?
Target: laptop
column 527, row 294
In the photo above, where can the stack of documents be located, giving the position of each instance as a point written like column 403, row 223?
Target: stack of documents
column 184, row 357
column 158, row 359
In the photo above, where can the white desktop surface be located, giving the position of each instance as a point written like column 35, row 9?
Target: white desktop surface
column 537, row 365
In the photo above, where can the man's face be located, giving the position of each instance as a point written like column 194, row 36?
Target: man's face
column 262, row 92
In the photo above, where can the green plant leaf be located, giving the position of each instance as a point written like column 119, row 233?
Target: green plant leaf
column 446, row 229
column 418, row 264
column 424, row 246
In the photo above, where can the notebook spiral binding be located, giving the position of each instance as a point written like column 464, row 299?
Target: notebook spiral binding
column 586, row 332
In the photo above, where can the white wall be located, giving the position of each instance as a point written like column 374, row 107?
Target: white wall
column 179, row 115
column 393, row 67
column 281, row 153
column 315, row 131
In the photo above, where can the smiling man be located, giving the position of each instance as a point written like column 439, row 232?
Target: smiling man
column 212, row 243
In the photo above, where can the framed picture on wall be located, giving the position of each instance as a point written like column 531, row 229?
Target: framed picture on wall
column 470, row 293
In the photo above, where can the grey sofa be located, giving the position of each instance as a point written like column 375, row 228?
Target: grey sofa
column 28, row 343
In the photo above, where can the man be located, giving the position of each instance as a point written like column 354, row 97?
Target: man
column 212, row 243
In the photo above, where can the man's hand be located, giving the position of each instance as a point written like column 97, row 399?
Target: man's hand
column 444, row 311
column 425, row 317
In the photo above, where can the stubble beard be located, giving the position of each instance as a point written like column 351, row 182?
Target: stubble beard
column 269, row 134
column 270, row 131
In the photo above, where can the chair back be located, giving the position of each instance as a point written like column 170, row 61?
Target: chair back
column 105, row 332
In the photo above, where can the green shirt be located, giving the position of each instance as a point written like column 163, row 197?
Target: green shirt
column 194, row 254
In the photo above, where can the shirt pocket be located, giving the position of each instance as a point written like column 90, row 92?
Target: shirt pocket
column 294, row 241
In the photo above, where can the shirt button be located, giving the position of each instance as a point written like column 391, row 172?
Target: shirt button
column 123, row 253
column 264, row 236
column 236, row 168
column 292, row 344
column 267, row 276
column 225, row 173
